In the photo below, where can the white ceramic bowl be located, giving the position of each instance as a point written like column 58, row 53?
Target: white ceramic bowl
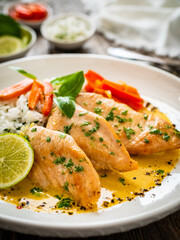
column 24, row 50
column 63, row 44
column 31, row 23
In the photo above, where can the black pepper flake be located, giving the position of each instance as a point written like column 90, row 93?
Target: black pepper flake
column 82, row 208
column 158, row 184
column 105, row 203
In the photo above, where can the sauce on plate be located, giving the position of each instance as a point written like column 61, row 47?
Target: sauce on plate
column 116, row 187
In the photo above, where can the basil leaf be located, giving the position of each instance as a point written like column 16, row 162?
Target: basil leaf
column 71, row 84
column 66, row 104
column 23, row 72
column 9, row 26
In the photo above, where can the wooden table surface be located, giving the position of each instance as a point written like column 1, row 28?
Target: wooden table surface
column 165, row 229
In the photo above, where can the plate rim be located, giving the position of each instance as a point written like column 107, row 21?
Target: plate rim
column 152, row 215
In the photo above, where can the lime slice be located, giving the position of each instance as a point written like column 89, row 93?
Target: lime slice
column 16, row 159
column 9, row 45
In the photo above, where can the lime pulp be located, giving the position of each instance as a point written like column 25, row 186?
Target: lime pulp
column 16, row 159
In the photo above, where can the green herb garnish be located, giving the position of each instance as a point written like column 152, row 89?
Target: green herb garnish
column 124, row 112
column 36, row 191
column 59, row 160
column 110, row 116
column 98, row 110
column 85, row 123
column 122, row 180
column 68, row 128
column 66, row 186
column 99, row 102
column 8, row 26
column 62, row 135
column 129, row 132
column 48, row 139
column 69, row 88
column 79, row 169
column 33, row 129
column 64, row 203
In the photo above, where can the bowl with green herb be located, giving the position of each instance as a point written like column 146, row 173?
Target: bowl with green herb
column 15, row 39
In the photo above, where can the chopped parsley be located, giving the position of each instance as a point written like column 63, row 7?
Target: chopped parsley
column 118, row 141
column 62, row 135
column 82, row 114
column 160, row 171
column 124, row 112
column 121, row 120
column 155, row 131
column 69, row 164
column 33, row 129
column 98, row 110
column 112, row 153
column 36, row 191
column 122, row 180
column 139, row 126
column 177, row 132
column 52, row 153
column 64, row 203
column 59, row 160
column 101, row 139
column 68, row 128
column 66, row 186
column 166, row 137
column 129, row 132
column 57, row 196
column 145, row 116
column 92, row 138
column 146, row 140
column 85, row 103
column 99, row 102
column 110, row 116
column 85, row 123
column 48, row 139
column 94, row 129
column 79, row 169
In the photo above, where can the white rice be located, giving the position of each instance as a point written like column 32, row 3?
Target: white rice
column 16, row 117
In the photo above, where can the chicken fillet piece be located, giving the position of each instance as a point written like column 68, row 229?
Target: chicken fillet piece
column 60, row 162
column 96, row 138
column 140, row 133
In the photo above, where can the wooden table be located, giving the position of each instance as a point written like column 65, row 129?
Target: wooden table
column 166, row 229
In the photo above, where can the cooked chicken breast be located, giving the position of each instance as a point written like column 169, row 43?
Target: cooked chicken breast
column 96, row 138
column 141, row 134
column 59, row 162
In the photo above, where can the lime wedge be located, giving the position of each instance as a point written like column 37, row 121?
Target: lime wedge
column 16, row 159
column 9, row 45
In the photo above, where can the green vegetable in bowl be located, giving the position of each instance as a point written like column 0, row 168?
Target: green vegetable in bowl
column 13, row 37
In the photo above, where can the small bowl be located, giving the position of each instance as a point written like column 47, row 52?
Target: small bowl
column 67, row 44
column 31, row 23
column 23, row 51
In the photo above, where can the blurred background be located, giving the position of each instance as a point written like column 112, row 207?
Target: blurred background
column 147, row 27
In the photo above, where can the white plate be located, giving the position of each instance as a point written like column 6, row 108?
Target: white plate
column 161, row 88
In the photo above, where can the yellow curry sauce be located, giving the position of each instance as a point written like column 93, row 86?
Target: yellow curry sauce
column 116, row 187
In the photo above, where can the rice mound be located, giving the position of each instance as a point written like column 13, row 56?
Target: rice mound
column 15, row 116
